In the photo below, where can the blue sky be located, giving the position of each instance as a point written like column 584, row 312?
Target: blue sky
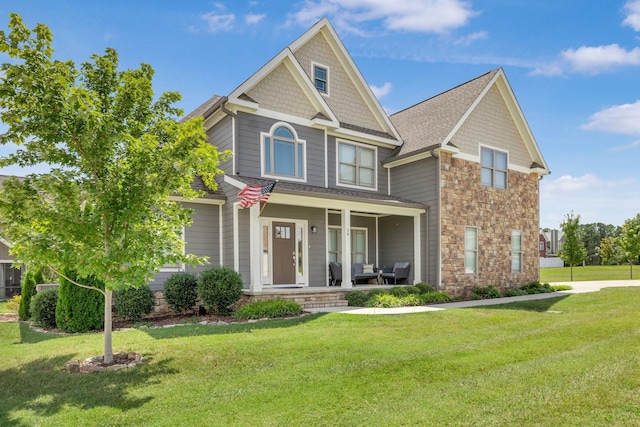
column 574, row 66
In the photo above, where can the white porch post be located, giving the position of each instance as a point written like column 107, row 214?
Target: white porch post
column 417, row 245
column 346, row 247
column 254, row 245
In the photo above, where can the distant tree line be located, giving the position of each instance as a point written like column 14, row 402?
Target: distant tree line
column 600, row 244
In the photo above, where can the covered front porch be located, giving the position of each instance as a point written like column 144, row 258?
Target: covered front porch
column 288, row 244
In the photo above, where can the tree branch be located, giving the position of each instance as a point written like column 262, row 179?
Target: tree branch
column 76, row 283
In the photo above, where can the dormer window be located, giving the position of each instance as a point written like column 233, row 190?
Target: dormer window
column 321, row 78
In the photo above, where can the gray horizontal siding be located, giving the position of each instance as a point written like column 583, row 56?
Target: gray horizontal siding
column 248, row 162
column 201, row 239
column 418, row 181
column 221, row 136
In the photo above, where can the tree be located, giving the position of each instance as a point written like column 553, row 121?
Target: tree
column 572, row 251
column 607, row 250
column 629, row 241
column 116, row 155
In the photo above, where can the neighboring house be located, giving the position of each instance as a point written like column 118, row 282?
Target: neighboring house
column 449, row 185
column 550, row 243
column 9, row 277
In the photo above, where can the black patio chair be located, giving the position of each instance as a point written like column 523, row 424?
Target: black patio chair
column 335, row 274
column 399, row 273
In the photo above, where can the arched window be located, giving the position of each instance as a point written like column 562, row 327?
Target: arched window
column 283, row 154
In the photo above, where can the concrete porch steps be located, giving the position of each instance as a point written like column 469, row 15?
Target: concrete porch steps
column 307, row 297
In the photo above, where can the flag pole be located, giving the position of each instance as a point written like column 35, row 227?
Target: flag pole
column 264, row 205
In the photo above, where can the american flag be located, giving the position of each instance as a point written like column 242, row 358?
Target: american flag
column 252, row 194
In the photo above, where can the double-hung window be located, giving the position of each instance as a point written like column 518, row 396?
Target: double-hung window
column 283, row 154
column 359, row 242
column 321, row 78
column 494, row 168
column 516, row 252
column 470, row 250
column 356, row 165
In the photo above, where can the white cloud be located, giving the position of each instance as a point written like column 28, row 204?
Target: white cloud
column 218, row 22
column 590, row 60
column 634, row 144
column 380, row 91
column 254, row 18
column 632, row 8
column 467, row 40
column 594, row 198
column 428, row 16
column 623, row 119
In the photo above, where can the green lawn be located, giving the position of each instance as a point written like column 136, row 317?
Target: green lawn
column 569, row 361
column 3, row 307
column 589, row 272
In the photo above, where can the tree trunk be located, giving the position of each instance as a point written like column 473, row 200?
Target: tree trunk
column 571, row 270
column 630, row 270
column 108, row 348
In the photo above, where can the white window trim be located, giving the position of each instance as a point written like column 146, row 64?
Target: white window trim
column 366, row 242
column 313, row 77
column 489, row 147
column 375, row 165
column 180, row 266
column 303, row 144
column 470, row 250
column 517, row 233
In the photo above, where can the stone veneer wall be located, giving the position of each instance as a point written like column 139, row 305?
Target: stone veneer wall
column 495, row 213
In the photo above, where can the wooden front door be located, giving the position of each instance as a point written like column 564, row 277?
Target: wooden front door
column 284, row 253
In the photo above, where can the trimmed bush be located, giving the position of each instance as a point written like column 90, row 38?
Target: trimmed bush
column 485, row 292
column 79, row 309
column 413, row 290
column 376, row 291
column 270, row 309
column 132, row 303
column 536, row 288
column 43, row 308
column 515, row 293
column 399, row 291
column 425, row 288
column 31, row 278
column 181, row 292
column 384, row 301
column 219, row 288
column 435, row 297
column 356, row 298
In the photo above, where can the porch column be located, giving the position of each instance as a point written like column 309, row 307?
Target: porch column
column 417, row 254
column 345, row 216
column 254, row 248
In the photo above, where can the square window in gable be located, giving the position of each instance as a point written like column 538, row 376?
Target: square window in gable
column 321, row 78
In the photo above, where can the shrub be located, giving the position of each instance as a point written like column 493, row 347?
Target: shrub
column 79, row 309
column 384, row 301
column 515, row 293
column 376, row 291
column 13, row 305
column 413, row 290
column 425, row 288
column 435, row 297
column 181, row 292
column 134, row 303
column 356, row 298
column 399, row 291
column 270, row 309
column 43, row 308
column 31, row 278
column 219, row 288
column 411, row 300
column 485, row 292
column 536, row 288
column 557, row 288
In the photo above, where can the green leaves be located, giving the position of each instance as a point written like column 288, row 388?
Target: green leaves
column 573, row 250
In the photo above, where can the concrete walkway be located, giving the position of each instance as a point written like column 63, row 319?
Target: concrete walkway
column 578, row 288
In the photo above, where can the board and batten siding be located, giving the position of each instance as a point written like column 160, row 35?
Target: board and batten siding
column 248, row 162
column 201, row 239
column 418, row 181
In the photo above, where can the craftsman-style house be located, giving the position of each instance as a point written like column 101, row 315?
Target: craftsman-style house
column 449, row 185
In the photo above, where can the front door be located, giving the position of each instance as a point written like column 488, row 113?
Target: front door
column 284, row 253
